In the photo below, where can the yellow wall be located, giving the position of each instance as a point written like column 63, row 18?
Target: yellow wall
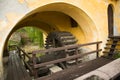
column 91, row 16
column 56, row 21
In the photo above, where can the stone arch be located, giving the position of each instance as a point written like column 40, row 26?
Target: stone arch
column 86, row 30
column 85, row 22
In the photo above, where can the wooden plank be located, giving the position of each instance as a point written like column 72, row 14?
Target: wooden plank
column 10, row 75
column 24, row 72
column 77, row 70
column 16, row 70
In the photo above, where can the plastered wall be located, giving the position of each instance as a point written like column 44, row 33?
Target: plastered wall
column 91, row 16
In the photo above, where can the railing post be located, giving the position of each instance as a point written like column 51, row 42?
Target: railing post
column 34, row 63
column 97, row 48
column 76, row 53
column 19, row 52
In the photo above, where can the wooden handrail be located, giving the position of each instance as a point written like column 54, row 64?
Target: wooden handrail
column 75, row 56
column 65, row 59
column 24, row 52
column 65, row 47
column 19, row 49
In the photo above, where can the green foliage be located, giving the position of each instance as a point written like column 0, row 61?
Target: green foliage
column 13, row 43
column 33, row 34
column 117, row 54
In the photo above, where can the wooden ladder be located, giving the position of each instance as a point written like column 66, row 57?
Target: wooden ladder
column 112, row 45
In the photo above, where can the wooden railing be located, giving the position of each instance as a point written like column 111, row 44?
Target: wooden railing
column 16, row 68
column 65, row 48
column 23, row 55
column 33, row 68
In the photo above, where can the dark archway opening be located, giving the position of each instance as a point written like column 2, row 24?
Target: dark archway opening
column 110, row 21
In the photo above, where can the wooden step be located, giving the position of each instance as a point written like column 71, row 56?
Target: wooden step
column 111, row 40
column 112, row 48
column 105, row 51
column 113, row 44
column 114, row 37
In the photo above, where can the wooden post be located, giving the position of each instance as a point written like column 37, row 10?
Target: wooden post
column 97, row 48
column 76, row 53
column 34, row 63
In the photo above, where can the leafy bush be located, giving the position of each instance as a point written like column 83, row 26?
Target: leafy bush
column 117, row 54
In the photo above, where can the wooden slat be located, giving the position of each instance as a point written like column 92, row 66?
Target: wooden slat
column 10, row 75
column 24, row 72
column 15, row 74
column 16, row 70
